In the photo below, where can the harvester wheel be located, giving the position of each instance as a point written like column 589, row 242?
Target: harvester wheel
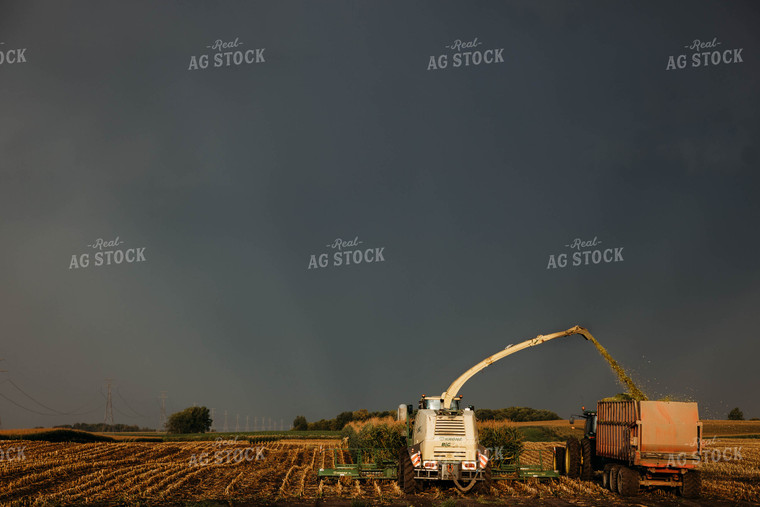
column 487, row 481
column 573, row 458
column 559, row 460
column 614, row 478
column 691, row 486
column 627, row 482
column 406, row 472
column 587, row 471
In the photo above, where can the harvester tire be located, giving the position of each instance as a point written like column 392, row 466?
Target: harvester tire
column 587, row 471
column 573, row 458
column 487, row 481
column 614, row 478
column 691, row 486
column 406, row 472
column 627, row 482
column 559, row 460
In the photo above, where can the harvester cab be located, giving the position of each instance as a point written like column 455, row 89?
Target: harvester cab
column 437, row 403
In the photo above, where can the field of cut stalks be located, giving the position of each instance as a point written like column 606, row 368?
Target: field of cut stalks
column 177, row 472
column 731, row 469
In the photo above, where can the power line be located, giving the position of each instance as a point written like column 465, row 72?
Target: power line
column 108, row 418
column 122, row 413
column 162, row 422
column 77, row 411
column 118, row 393
column 25, row 408
column 11, row 382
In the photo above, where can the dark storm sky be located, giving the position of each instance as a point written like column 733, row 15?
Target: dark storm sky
column 469, row 178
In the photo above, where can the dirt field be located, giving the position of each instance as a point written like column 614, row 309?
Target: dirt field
column 285, row 473
column 726, row 428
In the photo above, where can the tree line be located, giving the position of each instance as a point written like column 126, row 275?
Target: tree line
column 338, row 422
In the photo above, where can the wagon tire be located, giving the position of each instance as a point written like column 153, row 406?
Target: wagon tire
column 606, row 477
column 691, row 484
column 628, row 482
column 613, row 478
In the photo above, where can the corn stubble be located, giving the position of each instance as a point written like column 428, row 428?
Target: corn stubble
column 157, row 473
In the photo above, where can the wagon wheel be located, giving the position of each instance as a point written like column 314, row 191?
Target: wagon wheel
column 691, row 484
column 614, row 478
column 627, row 482
column 606, row 477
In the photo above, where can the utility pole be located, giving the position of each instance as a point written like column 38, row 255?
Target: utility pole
column 108, row 419
column 226, row 428
column 246, row 424
column 162, row 421
column 237, row 423
column 213, row 427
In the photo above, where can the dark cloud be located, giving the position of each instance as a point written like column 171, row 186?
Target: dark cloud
column 469, row 178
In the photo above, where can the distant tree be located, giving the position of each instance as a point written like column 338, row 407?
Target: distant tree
column 343, row 419
column 516, row 414
column 736, row 415
column 321, row 425
column 300, row 423
column 361, row 415
column 190, row 420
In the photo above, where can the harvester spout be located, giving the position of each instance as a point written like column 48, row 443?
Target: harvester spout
column 454, row 388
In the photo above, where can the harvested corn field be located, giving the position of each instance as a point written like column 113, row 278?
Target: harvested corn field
column 285, row 472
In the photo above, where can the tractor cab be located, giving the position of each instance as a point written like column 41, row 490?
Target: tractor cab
column 589, row 430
